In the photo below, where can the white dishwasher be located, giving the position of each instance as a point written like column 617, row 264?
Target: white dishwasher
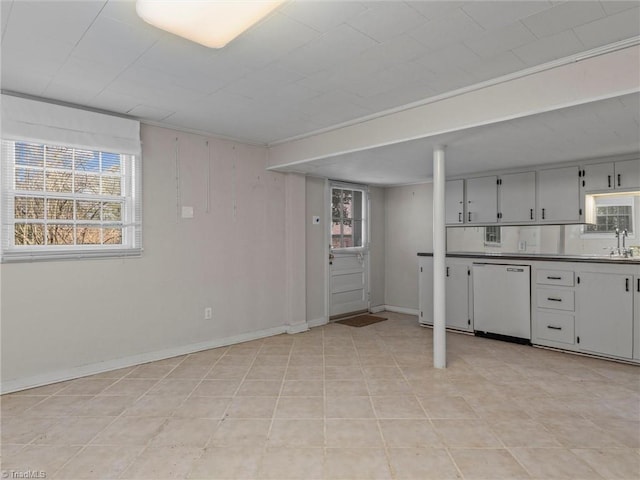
column 502, row 301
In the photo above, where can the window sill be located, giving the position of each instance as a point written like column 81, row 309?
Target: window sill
column 31, row 256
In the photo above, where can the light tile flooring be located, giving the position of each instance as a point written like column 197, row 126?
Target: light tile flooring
column 336, row 402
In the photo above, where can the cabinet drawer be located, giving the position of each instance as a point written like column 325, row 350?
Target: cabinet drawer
column 554, row 277
column 555, row 298
column 557, row 327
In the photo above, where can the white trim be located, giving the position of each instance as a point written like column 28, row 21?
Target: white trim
column 377, row 309
column 317, row 322
column 108, row 365
column 297, row 328
column 408, row 311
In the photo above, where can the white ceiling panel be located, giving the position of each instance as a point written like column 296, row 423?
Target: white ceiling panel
column 501, row 40
column 270, row 79
column 496, row 14
column 454, row 26
column 500, row 64
column 319, row 17
column 562, row 17
column 613, row 6
column 61, row 21
column 610, row 29
column 343, row 44
column 546, row 49
column 435, row 10
column 374, row 22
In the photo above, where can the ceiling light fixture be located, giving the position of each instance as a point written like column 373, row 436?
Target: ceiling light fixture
column 210, row 23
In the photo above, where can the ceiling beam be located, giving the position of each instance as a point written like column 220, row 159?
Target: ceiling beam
column 583, row 80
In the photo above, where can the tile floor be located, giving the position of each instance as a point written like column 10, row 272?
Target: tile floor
column 336, row 402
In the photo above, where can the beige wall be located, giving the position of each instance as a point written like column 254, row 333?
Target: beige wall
column 377, row 250
column 408, row 230
column 64, row 315
column 316, row 238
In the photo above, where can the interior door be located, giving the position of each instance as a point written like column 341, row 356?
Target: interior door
column 349, row 252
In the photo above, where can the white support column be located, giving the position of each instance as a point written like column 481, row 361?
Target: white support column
column 439, row 258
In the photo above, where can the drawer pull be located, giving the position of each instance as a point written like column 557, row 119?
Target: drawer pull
column 553, row 299
column 553, row 327
column 554, row 278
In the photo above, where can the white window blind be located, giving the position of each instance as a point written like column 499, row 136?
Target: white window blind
column 63, row 196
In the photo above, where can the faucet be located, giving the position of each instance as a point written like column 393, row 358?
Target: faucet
column 625, row 234
column 621, row 251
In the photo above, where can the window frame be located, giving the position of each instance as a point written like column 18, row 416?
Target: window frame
column 611, row 201
column 364, row 222
column 130, row 223
column 498, row 235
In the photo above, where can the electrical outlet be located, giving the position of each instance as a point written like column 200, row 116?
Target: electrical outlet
column 208, row 313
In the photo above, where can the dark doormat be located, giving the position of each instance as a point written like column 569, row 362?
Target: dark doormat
column 361, row 320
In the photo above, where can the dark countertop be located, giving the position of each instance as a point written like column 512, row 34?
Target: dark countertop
column 541, row 257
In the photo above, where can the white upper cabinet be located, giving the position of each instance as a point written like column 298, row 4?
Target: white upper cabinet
column 517, row 193
column 623, row 175
column 558, row 195
column 482, row 199
column 454, row 202
column 627, row 174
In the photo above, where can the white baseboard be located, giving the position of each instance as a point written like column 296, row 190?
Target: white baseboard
column 408, row 311
column 298, row 328
column 377, row 309
column 92, row 369
column 317, row 322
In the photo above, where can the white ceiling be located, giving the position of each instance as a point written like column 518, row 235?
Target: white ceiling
column 311, row 65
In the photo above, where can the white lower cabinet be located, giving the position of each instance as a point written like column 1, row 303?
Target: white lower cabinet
column 425, row 290
column 553, row 303
column 555, row 327
column 605, row 313
column 583, row 307
column 458, row 287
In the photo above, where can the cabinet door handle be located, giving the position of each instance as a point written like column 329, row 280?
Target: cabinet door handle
column 554, row 299
column 469, row 216
column 447, row 271
column 553, row 327
column 531, row 213
column 639, row 285
column 554, row 278
column 459, row 217
column 609, row 180
column 626, row 284
column 543, row 213
column 619, row 182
